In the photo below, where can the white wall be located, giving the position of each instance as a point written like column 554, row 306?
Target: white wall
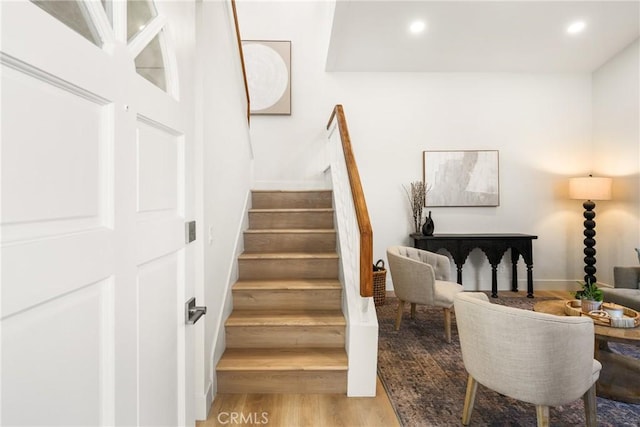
column 287, row 147
column 224, row 178
column 540, row 123
column 616, row 140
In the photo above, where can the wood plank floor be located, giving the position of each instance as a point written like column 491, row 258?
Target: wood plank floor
column 316, row 410
column 302, row 410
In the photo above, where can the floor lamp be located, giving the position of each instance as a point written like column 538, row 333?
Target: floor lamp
column 589, row 189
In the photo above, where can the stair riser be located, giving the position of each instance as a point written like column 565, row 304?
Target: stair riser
column 285, row 336
column 290, row 220
column 282, row 382
column 305, row 299
column 291, row 200
column 289, row 242
column 255, row 269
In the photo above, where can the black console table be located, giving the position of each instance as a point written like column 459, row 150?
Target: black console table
column 493, row 245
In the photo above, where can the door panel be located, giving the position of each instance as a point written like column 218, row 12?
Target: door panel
column 158, row 353
column 92, row 232
column 69, row 376
column 56, row 148
column 159, row 156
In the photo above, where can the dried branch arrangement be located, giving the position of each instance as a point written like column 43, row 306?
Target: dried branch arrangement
column 417, row 195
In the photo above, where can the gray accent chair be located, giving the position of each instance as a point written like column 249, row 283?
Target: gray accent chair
column 533, row 357
column 422, row 277
column 626, row 290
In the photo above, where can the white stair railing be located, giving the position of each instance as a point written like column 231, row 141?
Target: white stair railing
column 355, row 246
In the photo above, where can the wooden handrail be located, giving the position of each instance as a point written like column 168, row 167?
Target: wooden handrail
column 244, row 70
column 362, row 213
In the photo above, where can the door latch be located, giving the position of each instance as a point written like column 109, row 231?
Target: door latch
column 192, row 313
column 190, row 230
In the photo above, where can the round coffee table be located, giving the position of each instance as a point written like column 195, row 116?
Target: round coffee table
column 620, row 375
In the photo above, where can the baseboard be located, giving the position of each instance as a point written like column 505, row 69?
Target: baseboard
column 538, row 285
column 203, row 403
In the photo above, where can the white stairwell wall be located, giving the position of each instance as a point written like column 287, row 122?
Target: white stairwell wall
column 362, row 322
column 224, row 172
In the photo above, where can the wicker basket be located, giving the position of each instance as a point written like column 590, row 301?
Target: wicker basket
column 379, row 283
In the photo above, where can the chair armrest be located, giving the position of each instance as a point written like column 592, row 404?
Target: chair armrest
column 626, row 277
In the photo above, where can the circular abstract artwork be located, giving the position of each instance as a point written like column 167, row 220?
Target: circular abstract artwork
column 267, row 75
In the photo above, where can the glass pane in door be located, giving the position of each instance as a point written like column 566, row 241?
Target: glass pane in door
column 108, row 9
column 72, row 14
column 139, row 13
column 150, row 63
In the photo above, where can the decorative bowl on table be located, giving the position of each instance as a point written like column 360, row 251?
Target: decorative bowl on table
column 614, row 310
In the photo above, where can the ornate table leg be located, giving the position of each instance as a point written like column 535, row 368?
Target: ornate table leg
column 494, row 250
column 494, row 280
column 515, row 255
column 459, row 268
column 527, row 255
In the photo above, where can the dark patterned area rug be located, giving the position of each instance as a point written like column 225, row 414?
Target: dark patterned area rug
column 426, row 380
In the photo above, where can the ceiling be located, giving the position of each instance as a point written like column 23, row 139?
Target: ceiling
column 479, row 36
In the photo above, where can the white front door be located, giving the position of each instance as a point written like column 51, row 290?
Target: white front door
column 95, row 170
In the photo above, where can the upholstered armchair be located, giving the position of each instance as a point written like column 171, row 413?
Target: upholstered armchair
column 422, row 277
column 534, row 357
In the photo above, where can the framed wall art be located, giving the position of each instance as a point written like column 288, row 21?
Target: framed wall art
column 268, row 67
column 461, row 178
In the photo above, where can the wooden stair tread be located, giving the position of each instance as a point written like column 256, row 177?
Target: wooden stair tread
column 321, row 190
column 290, row 210
column 291, row 231
column 309, row 284
column 295, row 359
column 286, row 318
column 287, row 255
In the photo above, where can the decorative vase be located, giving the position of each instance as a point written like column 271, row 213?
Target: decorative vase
column 427, row 227
column 590, row 305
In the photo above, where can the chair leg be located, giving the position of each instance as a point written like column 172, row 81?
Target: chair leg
column 590, row 406
column 413, row 310
column 469, row 400
column 399, row 314
column 447, row 324
column 542, row 415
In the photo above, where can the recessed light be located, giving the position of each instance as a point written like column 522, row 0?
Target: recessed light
column 576, row 27
column 417, row 27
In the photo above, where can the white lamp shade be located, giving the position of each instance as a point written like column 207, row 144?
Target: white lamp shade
column 590, row 188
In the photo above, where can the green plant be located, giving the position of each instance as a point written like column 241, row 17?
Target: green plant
column 589, row 291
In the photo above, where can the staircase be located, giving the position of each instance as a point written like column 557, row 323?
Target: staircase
column 286, row 333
